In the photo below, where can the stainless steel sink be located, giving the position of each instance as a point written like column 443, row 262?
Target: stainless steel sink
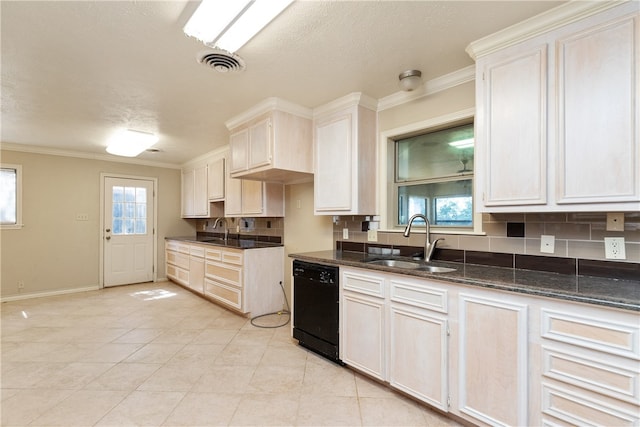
column 394, row 263
column 436, row 269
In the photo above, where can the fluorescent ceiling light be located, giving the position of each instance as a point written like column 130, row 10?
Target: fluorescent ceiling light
column 229, row 25
column 463, row 143
column 130, row 143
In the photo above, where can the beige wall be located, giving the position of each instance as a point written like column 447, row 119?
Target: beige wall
column 303, row 231
column 458, row 98
column 54, row 252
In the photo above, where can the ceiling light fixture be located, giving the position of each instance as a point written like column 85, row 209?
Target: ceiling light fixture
column 410, row 80
column 229, row 25
column 130, row 143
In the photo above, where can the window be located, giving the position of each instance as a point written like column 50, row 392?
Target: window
column 129, row 210
column 433, row 175
column 11, row 196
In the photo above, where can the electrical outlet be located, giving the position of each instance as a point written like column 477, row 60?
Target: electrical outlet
column 20, row 284
column 372, row 235
column 547, row 244
column 615, row 221
column 345, row 233
column 614, row 248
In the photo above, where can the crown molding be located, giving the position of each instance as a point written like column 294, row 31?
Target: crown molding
column 6, row 146
column 432, row 86
column 218, row 152
column 267, row 105
column 350, row 100
column 544, row 22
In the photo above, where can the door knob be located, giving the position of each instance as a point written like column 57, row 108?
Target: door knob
column 108, row 230
column 108, row 237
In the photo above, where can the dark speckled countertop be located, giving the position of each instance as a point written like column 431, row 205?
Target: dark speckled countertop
column 616, row 293
column 229, row 243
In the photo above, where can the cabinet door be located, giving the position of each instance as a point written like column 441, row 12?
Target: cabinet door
column 512, row 135
column 333, row 172
column 492, row 364
column 200, row 199
column 418, row 355
column 252, row 197
column 196, row 274
column 362, row 343
column 598, row 147
column 260, row 144
column 215, row 180
column 188, row 183
column 233, row 197
column 239, row 151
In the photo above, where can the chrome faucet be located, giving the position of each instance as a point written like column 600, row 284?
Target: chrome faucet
column 429, row 247
column 226, row 227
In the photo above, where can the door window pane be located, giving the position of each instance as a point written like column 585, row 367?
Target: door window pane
column 129, row 210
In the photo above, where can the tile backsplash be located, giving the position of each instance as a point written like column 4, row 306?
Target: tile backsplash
column 577, row 235
column 272, row 227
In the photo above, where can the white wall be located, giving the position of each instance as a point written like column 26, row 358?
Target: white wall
column 54, row 252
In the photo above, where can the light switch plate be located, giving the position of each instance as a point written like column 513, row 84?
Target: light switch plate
column 345, row 233
column 614, row 248
column 547, row 244
column 615, row 221
column 372, row 235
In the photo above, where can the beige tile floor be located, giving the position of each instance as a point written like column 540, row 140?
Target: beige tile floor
column 157, row 355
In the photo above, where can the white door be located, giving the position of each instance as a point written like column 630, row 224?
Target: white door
column 128, row 230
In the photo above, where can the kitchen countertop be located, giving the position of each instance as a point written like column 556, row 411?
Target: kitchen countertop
column 229, row 243
column 616, row 293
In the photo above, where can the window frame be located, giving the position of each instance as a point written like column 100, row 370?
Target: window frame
column 18, row 224
column 388, row 198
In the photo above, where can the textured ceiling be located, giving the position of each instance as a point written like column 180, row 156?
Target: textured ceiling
column 75, row 71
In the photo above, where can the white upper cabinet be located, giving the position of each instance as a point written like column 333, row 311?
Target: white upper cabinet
column 195, row 203
column 250, row 198
column 216, row 179
column 345, row 156
column 272, row 142
column 558, row 112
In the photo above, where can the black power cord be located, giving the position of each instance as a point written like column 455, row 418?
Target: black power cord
column 276, row 313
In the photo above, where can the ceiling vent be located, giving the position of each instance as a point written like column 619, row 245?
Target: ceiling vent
column 221, row 61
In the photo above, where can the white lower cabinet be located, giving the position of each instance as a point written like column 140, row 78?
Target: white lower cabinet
column 196, row 268
column 246, row 281
column 177, row 262
column 590, row 366
column 363, row 319
column 185, row 264
column 418, row 341
column 492, row 357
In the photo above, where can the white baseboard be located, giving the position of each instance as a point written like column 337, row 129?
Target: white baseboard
column 48, row 293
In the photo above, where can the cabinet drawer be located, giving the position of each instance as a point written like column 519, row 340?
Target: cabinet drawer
column 178, row 274
column 419, row 295
column 197, row 251
column 171, row 245
column 178, row 259
column 226, row 294
column 213, row 254
column 183, row 248
column 581, row 410
column 226, row 273
column 617, row 381
column 592, row 332
column 232, row 257
column 365, row 284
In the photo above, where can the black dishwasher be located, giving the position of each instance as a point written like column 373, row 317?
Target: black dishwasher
column 316, row 309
